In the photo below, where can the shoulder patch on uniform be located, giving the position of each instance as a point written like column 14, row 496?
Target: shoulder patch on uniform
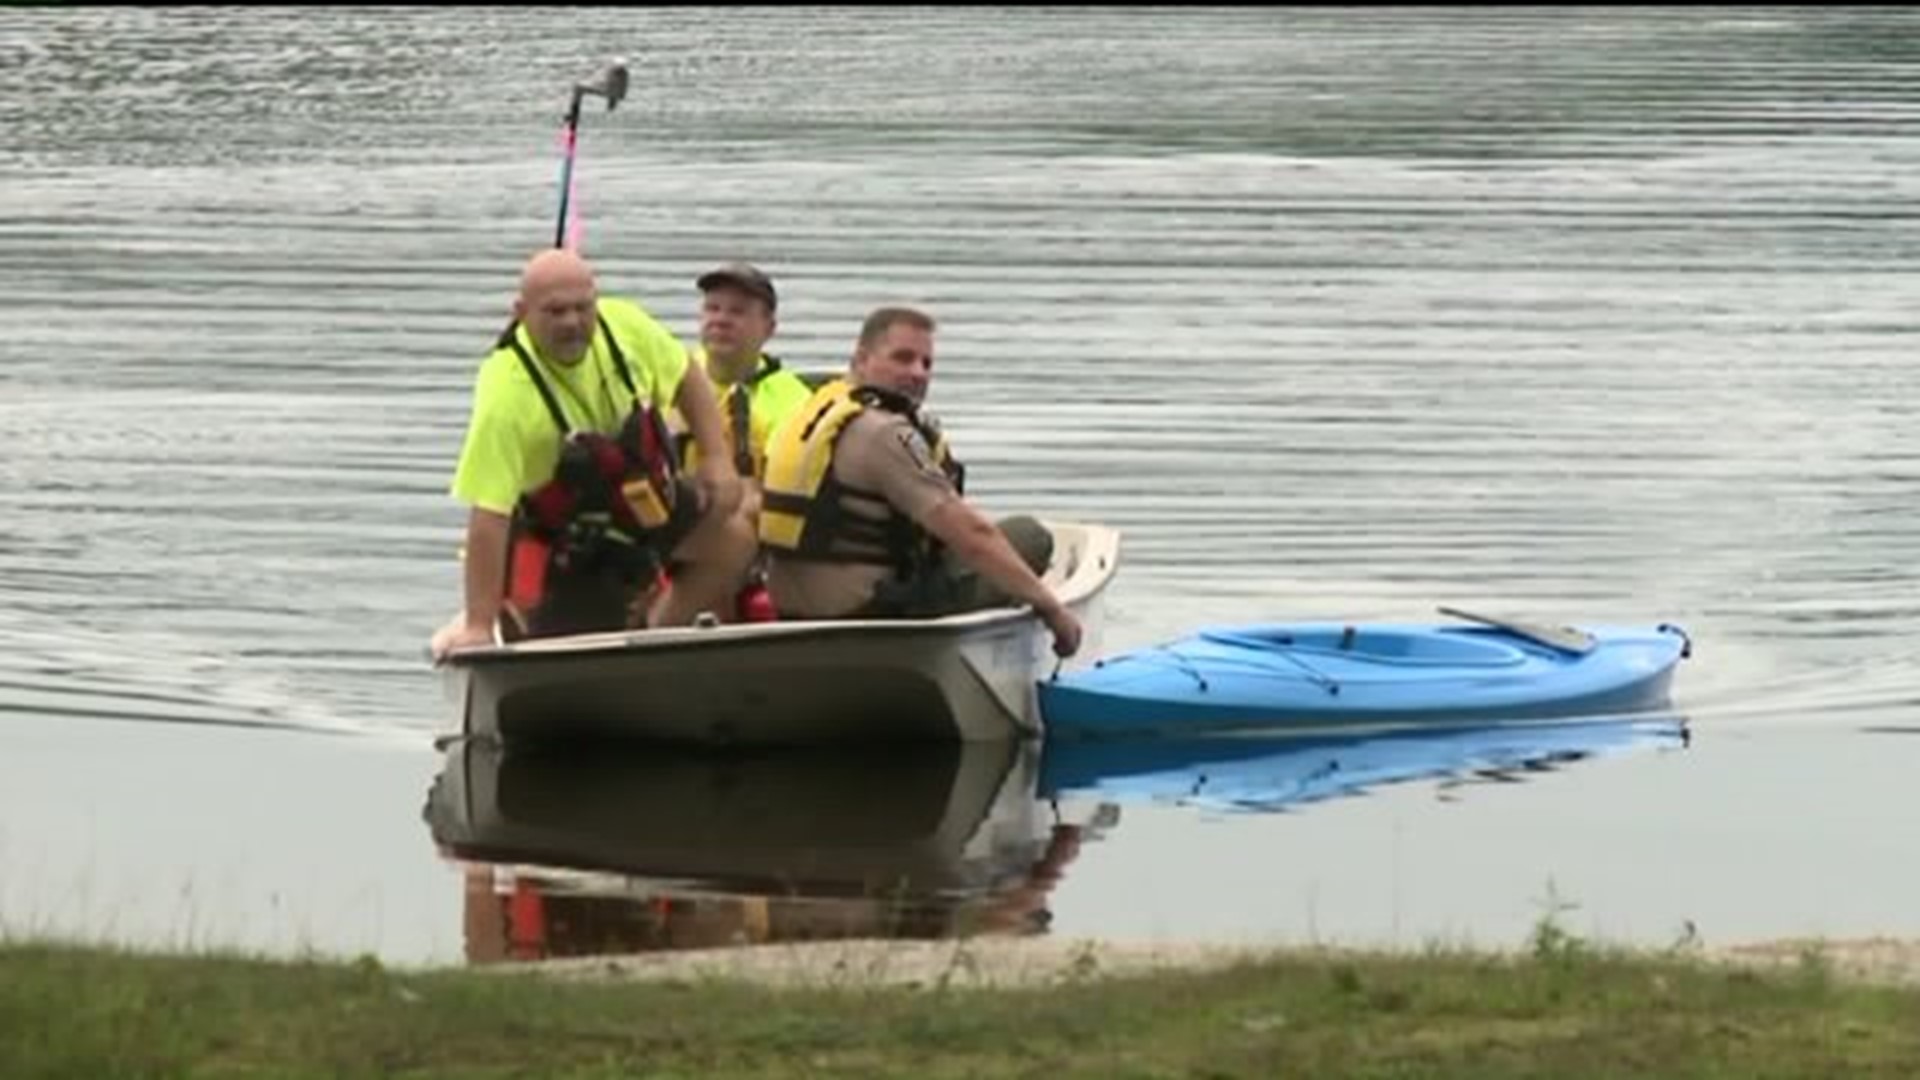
column 916, row 446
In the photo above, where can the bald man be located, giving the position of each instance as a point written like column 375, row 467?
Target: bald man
column 574, row 362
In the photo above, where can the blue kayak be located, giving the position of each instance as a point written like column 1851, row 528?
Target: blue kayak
column 1316, row 673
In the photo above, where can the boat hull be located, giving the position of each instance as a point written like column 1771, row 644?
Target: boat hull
column 1327, row 674
column 968, row 677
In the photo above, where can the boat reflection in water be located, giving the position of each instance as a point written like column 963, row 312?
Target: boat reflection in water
column 618, row 849
column 622, row 848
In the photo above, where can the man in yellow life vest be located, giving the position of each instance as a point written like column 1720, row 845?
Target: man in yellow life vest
column 863, row 513
column 569, row 474
column 738, row 309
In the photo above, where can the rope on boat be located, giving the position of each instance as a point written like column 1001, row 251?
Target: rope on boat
column 1184, row 664
column 1281, row 645
column 1314, row 675
column 1318, row 677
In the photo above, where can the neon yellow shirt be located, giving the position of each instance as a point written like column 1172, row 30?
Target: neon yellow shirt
column 776, row 395
column 512, row 443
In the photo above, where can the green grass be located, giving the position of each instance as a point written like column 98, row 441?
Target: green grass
column 1564, row 1009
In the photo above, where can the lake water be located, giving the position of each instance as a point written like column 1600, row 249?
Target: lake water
column 1596, row 315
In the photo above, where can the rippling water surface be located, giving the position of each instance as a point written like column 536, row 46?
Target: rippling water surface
column 1593, row 315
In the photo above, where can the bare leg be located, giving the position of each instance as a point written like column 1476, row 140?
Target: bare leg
column 715, row 557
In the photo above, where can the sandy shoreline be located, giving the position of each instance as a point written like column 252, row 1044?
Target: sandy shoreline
column 1012, row 962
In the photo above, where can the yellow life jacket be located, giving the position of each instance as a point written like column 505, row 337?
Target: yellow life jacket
column 807, row 513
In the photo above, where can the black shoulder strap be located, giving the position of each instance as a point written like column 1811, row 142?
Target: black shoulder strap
column 772, row 365
column 885, row 399
column 511, row 340
column 619, row 358
column 897, row 403
column 740, row 415
column 740, row 412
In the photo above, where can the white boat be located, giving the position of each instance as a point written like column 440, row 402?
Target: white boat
column 969, row 677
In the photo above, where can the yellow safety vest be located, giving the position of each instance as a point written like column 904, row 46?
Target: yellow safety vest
column 805, row 511
column 759, row 402
column 610, row 501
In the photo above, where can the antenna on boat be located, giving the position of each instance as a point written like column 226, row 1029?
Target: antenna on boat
column 611, row 84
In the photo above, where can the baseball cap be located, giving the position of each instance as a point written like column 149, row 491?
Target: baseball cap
column 743, row 276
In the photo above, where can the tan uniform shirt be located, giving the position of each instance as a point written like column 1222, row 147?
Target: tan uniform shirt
column 878, row 452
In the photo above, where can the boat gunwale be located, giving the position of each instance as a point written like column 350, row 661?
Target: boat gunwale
column 685, row 638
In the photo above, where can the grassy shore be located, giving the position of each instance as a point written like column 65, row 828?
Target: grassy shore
column 1561, row 1008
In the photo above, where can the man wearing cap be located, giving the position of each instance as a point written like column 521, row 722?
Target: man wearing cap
column 737, row 316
